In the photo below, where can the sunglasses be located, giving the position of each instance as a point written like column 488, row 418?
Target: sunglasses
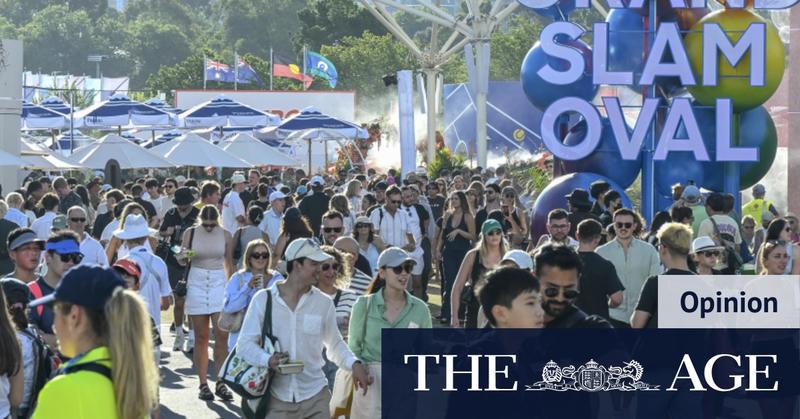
column 332, row 229
column 361, row 225
column 553, row 292
column 494, row 233
column 398, row 202
column 75, row 258
column 168, row 186
column 406, row 267
column 489, row 192
column 710, row 253
column 509, row 196
column 623, row 225
column 78, row 220
column 329, row 266
column 260, row 255
column 209, row 226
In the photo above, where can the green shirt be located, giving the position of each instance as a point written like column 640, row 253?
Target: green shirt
column 365, row 342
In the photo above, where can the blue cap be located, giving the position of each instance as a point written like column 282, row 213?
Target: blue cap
column 86, row 285
column 63, row 247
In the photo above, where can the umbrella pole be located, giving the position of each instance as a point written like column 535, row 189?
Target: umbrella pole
column 309, row 157
column 221, row 133
column 119, row 129
column 326, row 156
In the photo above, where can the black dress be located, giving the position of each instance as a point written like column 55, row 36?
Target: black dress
column 476, row 277
column 453, row 253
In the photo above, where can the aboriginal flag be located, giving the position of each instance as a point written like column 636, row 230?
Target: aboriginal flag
column 283, row 67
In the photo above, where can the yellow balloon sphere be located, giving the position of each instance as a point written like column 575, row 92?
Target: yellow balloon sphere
column 734, row 82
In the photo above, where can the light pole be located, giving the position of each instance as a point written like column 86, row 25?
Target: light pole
column 97, row 59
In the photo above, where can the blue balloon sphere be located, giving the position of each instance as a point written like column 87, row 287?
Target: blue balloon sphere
column 559, row 11
column 605, row 160
column 756, row 129
column 542, row 93
column 626, row 34
column 554, row 196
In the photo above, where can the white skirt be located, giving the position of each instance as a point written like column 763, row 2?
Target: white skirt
column 368, row 406
column 205, row 291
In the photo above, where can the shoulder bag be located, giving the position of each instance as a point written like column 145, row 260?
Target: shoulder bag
column 343, row 385
column 250, row 381
column 180, row 287
column 732, row 257
column 231, row 322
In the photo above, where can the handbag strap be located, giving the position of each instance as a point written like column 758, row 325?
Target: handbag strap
column 337, row 297
column 266, row 325
column 191, row 239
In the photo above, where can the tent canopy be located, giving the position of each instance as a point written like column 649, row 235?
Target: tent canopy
column 255, row 152
column 221, row 111
column 193, row 150
column 55, row 103
column 163, row 138
column 49, row 162
column 126, row 153
column 166, row 107
column 119, row 110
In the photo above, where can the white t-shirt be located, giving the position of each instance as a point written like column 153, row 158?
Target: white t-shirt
column 232, row 207
column 162, row 204
column 108, row 231
column 93, row 252
column 29, row 367
column 43, row 225
column 271, row 224
column 392, row 228
column 154, row 282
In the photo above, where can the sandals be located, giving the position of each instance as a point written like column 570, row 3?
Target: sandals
column 223, row 393
column 205, row 393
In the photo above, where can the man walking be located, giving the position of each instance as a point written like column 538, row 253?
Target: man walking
column 233, row 210
column 599, row 283
column 312, row 206
column 67, row 197
column 93, row 252
column 42, row 225
column 558, row 227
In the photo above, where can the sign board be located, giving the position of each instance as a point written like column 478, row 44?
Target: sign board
column 339, row 104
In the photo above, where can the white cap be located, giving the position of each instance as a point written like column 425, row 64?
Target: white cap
column 180, row 179
column 276, row 195
column 305, row 248
column 318, row 180
column 237, row 178
column 520, row 257
column 106, row 187
column 704, row 243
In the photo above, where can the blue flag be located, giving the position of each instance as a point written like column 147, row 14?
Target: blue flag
column 319, row 66
column 246, row 74
column 218, row 72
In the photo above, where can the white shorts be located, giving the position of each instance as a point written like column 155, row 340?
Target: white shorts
column 205, row 291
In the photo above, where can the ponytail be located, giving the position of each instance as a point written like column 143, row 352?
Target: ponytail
column 376, row 285
column 130, row 342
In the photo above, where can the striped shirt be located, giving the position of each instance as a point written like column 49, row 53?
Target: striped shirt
column 359, row 282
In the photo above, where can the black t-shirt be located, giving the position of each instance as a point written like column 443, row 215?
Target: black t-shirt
column 437, row 206
column 148, row 207
column 248, row 196
column 480, row 217
column 173, row 219
column 576, row 217
column 312, row 207
column 263, row 205
column 648, row 300
column 598, row 281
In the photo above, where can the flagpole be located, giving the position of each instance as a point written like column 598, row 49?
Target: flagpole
column 271, row 66
column 235, row 71
column 304, row 67
column 205, row 65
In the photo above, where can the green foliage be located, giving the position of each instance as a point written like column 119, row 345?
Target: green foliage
column 509, row 47
column 525, row 174
column 253, row 26
column 445, row 160
column 57, row 39
column 329, row 21
column 154, row 44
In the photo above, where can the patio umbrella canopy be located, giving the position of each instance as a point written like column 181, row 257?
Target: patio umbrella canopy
column 39, row 117
column 30, row 148
column 310, row 118
column 48, row 162
column 8, row 159
column 193, row 150
column 163, row 138
column 221, row 112
column 166, row 107
column 71, row 140
column 255, row 152
column 119, row 110
column 56, row 104
column 126, row 153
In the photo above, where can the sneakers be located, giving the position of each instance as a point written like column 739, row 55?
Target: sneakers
column 190, row 343
column 179, row 340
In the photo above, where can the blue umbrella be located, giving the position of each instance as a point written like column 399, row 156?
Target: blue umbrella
column 71, row 140
column 221, row 111
column 119, row 110
column 312, row 119
column 166, row 107
column 55, row 103
column 39, row 117
column 163, row 138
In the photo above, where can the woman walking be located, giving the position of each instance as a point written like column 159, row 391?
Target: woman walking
column 106, row 332
column 254, row 275
column 387, row 305
column 245, row 235
column 17, row 298
column 340, row 203
column 366, row 238
column 116, row 248
column 293, row 226
column 353, row 194
column 515, row 219
column 780, row 231
column 205, row 292
column 456, row 233
column 334, row 282
column 485, row 256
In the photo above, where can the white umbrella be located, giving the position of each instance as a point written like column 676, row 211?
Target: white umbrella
column 257, row 153
column 125, row 152
column 193, row 150
column 8, row 159
column 48, row 161
column 30, row 148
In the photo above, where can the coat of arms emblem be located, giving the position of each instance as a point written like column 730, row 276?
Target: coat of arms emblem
column 592, row 376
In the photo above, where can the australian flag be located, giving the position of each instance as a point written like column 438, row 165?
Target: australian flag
column 218, row 72
column 245, row 74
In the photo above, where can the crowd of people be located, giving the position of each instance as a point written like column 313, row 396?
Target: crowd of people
column 328, row 262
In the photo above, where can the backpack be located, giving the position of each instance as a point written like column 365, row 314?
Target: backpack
column 46, row 363
column 37, row 293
